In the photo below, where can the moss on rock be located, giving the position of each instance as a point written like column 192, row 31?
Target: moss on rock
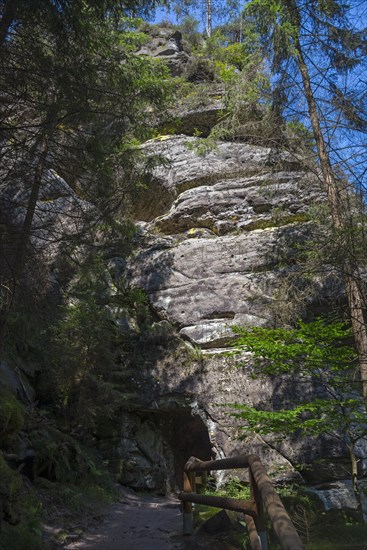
column 11, row 416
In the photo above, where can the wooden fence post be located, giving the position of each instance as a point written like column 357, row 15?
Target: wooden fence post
column 282, row 524
column 260, row 517
column 264, row 498
column 187, row 506
column 255, row 542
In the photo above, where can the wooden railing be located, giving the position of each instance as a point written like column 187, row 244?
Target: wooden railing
column 264, row 501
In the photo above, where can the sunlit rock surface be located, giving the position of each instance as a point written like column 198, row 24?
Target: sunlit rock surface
column 213, row 256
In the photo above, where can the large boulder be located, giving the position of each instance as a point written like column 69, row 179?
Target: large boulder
column 167, row 44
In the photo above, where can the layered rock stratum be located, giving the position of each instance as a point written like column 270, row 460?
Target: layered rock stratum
column 211, row 259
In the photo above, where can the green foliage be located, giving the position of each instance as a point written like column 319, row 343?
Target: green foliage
column 201, row 69
column 202, row 146
column 131, row 35
column 23, row 536
column 316, row 345
column 297, row 134
column 226, row 72
column 330, row 32
column 79, row 498
column 319, row 353
column 335, row 529
column 194, row 95
column 10, row 486
column 231, row 58
column 61, row 458
column 190, row 31
column 232, row 488
column 271, row 17
column 236, row 55
column 93, row 80
column 20, row 512
column 247, row 116
column 82, row 364
column 11, row 415
column 83, row 341
column 84, row 375
column 318, row 529
column 239, row 66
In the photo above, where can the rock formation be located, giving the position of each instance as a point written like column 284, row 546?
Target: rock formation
column 215, row 251
column 219, row 228
column 220, row 233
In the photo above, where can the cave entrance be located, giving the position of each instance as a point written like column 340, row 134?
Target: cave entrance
column 187, row 436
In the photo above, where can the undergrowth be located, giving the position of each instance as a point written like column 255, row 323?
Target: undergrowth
column 318, row 529
column 72, row 486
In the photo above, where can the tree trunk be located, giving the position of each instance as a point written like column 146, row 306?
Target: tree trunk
column 354, row 465
column 352, row 280
column 24, row 239
column 209, row 13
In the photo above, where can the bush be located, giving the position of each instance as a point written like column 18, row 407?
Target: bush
column 62, row 458
column 19, row 512
column 10, row 492
column 201, row 69
column 11, row 416
column 189, row 28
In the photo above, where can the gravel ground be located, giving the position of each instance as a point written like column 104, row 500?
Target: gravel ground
column 137, row 522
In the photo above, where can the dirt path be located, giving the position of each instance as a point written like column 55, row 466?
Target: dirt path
column 137, row 523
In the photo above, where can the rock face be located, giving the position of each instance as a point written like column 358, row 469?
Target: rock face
column 339, row 495
column 165, row 43
column 201, row 119
column 212, row 254
column 208, row 260
column 219, row 231
column 59, row 212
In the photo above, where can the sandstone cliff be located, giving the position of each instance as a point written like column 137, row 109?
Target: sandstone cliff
column 219, row 232
column 212, row 258
column 218, row 238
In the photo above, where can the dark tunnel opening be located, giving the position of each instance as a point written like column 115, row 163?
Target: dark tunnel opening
column 187, row 435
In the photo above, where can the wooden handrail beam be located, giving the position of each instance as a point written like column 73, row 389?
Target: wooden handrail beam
column 196, row 465
column 282, row 524
column 244, row 506
column 264, row 497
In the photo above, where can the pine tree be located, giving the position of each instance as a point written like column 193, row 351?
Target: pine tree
column 73, row 96
column 210, row 9
column 290, row 31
